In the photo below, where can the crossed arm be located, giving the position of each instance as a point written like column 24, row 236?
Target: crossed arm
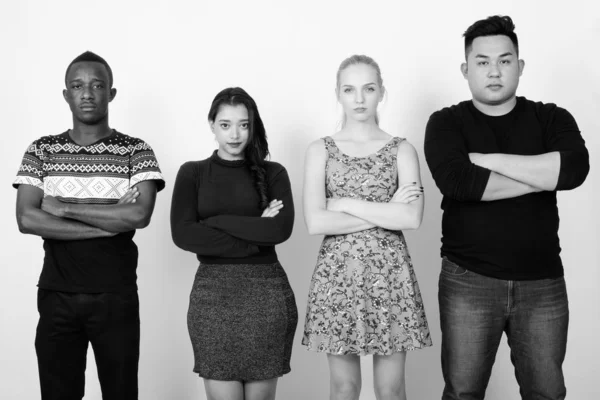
column 51, row 218
column 345, row 215
column 470, row 176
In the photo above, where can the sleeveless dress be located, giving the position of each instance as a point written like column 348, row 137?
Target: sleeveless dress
column 364, row 297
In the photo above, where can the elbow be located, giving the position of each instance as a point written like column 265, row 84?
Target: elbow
column 313, row 227
column 139, row 220
column 24, row 222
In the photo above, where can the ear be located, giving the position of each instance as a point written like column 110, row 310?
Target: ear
column 337, row 93
column 65, row 94
column 464, row 69
column 212, row 126
column 382, row 94
column 521, row 67
column 113, row 93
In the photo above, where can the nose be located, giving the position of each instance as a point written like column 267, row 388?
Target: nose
column 494, row 71
column 359, row 97
column 235, row 132
column 86, row 93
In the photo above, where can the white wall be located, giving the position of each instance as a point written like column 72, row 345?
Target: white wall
column 170, row 58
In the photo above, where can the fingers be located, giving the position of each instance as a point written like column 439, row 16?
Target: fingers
column 408, row 193
column 130, row 196
column 273, row 208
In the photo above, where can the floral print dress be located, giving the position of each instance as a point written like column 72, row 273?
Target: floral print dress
column 364, row 297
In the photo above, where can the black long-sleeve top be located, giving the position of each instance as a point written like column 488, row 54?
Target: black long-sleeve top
column 511, row 239
column 215, row 212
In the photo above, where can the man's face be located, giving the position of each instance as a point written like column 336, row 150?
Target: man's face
column 493, row 70
column 88, row 92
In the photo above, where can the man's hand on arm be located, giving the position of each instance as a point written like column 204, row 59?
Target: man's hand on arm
column 33, row 220
column 131, row 212
column 540, row 171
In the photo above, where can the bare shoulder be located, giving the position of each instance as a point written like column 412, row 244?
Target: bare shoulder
column 315, row 148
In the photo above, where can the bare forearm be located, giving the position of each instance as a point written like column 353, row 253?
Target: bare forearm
column 392, row 215
column 540, row 171
column 323, row 222
column 113, row 218
column 40, row 223
column 500, row 187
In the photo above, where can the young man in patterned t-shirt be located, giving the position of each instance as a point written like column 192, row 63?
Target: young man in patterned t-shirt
column 85, row 191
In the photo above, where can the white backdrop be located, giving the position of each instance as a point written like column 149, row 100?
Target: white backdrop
column 169, row 60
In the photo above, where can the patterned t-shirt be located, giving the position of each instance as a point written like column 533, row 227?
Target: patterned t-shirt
column 99, row 173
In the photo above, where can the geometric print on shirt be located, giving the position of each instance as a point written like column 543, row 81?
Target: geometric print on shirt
column 99, row 173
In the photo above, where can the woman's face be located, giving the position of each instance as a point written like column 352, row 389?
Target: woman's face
column 359, row 92
column 231, row 129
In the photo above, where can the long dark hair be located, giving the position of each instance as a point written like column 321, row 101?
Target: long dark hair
column 257, row 148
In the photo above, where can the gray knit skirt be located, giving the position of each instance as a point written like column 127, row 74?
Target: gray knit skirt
column 242, row 319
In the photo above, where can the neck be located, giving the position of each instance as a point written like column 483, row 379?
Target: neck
column 83, row 133
column 496, row 110
column 360, row 130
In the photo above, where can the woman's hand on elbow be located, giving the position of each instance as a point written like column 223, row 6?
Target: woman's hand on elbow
column 272, row 209
column 407, row 193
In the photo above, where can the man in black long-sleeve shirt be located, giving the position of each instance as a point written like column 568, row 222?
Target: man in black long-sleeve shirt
column 499, row 159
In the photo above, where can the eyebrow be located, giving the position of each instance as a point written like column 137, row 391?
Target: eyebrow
column 366, row 84
column 501, row 55
column 93, row 80
column 227, row 120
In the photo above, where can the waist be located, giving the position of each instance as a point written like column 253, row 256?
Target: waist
column 269, row 270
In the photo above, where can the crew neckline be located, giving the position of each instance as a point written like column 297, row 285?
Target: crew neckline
column 227, row 163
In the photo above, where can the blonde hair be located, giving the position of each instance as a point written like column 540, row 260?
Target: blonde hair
column 355, row 60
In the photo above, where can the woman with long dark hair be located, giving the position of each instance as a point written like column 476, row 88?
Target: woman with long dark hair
column 231, row 209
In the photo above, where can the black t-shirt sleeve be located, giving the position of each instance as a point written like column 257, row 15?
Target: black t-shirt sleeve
column 563, row 135
column 191, row 234
column 447, row 156
column 261, row 231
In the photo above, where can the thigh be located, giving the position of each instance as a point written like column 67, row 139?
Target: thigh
column 61, row 346
column 223, row 390
column 472, row 319
column 113, row 325
column 260, row 390
column 388, row 375
column 537, row 335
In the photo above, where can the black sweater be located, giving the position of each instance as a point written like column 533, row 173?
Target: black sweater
column 516, row 238
column 215, row 212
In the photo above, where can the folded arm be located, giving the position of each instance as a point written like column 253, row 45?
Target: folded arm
column 33, row 220
column 540, row 171
column 258, row 230
column 191, row 234
column 500, row 187
column 403, row 211
column 112, row 217
column 565, row 166
column 318, row 219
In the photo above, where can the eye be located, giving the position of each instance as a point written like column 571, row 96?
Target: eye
column 370, row 89
column 244, row 125
column 505, row 62
column 99, row 86
column 76, row 86
column 347, row 90
column 482, row 63
column 224, row 125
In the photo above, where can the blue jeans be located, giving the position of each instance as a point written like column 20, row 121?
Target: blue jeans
column 475, row 310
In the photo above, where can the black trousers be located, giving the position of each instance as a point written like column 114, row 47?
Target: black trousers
column 68, row 322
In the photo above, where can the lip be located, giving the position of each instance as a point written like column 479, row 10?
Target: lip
column 360, row 109
column 234, row 144
column 495, row 86
column 87, row 106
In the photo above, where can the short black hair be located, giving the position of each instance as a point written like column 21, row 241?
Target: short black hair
column 88, row 56
column 491, row 26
